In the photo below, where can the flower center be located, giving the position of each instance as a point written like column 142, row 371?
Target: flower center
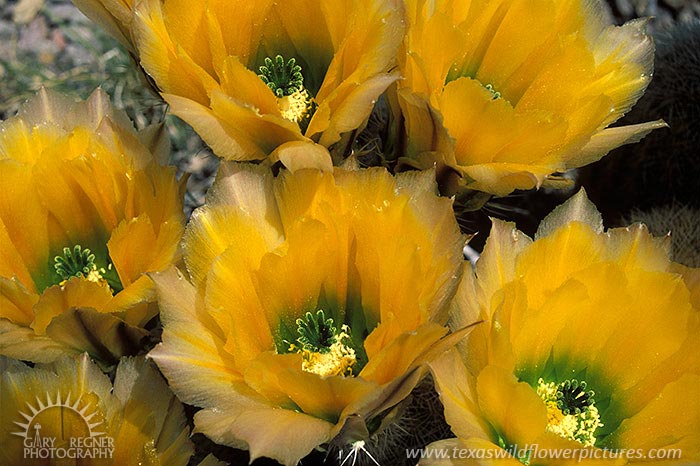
column 571, row 410
column 572, row 397
column 80, row 262
column 324, row 349
column 282, row 78
column 494, row 92
column 287, row 83
column 295, row 107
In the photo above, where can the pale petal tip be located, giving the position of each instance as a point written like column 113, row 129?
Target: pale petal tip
column 577, row 209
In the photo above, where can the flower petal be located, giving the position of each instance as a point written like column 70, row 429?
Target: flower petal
column 675, row 412
column 265, row 431
column 105, row 337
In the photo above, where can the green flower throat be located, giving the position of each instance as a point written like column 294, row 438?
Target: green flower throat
column 80, row 262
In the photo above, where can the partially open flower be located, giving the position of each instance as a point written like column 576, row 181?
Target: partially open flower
column 505, row 93
column 85, row 211
column 68, row 412
column 251, row 76
column 115, row 16
column 313, row 301
column 592, row 346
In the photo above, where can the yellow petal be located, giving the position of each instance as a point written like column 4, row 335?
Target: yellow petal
column 349, row 107
column 240, row 27
column 286, row 300
column 105, row 337
column 389, row 266
column 669, row 421
column 513, row 408
column 75, row 293
column 576, row 209
column 265, row 431
column 150, row 412
column 266, row 131
column 654, row 334
column 234, row 304
column 691, row 277
column 610, row 138
column 502, row 178
column 502, row 247
column 554, row 258
column 241, row 84
column 458, row 395
column 213, row 229
column 135, row 304
column 164, row 59
column 189, row 31
column 389, row 360
column 113, row 15
column 321, row 397
column 23, row 227
column 637, row 248
column 424, row 124
column 20, row 342
column 133, row 245
column 191, row 355
column 299, row 155
column 16, row 302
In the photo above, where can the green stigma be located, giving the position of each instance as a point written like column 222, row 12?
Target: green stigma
column 316, row 332
column 80, row 262
column 324, row 350
column 571, row 410
column 282, row 78
column 494, row 92
column 572, row 397
column 76, row 263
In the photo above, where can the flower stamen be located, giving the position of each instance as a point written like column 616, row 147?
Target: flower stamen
column 80, row 262
column 571, row 410
column 287, row 83
column 324, row 349
column 295, row 107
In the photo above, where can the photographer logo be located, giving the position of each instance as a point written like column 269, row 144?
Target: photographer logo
column 63, row 428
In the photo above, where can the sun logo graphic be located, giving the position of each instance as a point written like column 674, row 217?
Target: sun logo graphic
column 63, row 428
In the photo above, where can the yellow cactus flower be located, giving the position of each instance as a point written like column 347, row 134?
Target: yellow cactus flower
column 68, row 412
column 591, row 346
column 313, row 301
column 252, row 76
column 85, row 211
column 506, row 93
column 115, row 16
